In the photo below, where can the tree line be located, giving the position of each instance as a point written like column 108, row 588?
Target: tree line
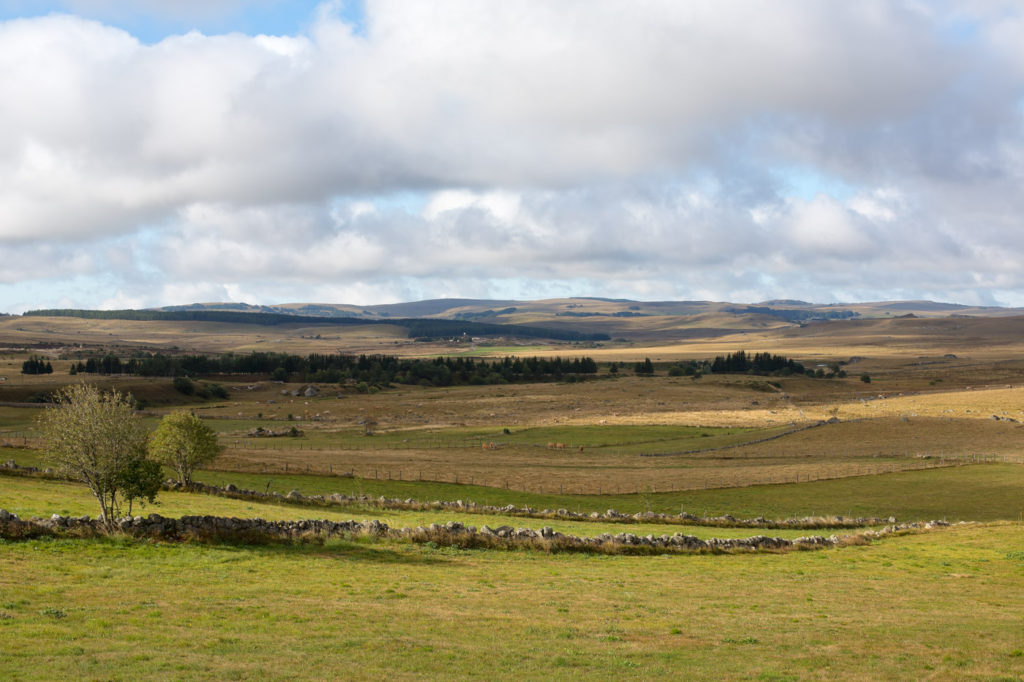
column 795, row 315
column 337, row 368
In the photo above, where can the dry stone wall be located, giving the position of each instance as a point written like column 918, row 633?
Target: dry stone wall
column 609, row 516
column 224, row 529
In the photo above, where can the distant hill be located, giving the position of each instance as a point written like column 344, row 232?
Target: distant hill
column 785, row 302
column 917, row 306
column 416, row 327
column 620, row 318
column 574, row 319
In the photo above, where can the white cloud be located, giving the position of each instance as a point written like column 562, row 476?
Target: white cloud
column 823, row 226
column 626, row 147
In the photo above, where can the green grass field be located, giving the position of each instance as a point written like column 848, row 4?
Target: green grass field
column 941, row 605
column 979, row 492
column 28, row 497
column 983, row 492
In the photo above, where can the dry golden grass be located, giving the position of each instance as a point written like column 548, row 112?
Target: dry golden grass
column 983, row 340
column 982, row 403
column 894, row 436
column 68, row 333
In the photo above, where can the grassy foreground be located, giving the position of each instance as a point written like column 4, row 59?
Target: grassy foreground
column 941, row 605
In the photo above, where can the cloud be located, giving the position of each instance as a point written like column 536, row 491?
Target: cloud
column 631, row 148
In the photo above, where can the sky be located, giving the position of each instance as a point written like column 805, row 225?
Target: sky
column 271, row 151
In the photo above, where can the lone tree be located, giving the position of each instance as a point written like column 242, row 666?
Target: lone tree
column 95, row 437
column 183, row 442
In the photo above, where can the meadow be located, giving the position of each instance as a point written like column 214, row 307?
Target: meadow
column 935, row 435
column 940, row 605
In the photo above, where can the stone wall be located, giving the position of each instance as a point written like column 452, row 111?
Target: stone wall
column 609, row 516
column 255, row 531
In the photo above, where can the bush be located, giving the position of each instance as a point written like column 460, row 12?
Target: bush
column 646, row 367
column 866, row 378
column 184, row 385
column 218, row 391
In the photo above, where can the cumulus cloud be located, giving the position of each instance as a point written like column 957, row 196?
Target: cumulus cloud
column 633, row 148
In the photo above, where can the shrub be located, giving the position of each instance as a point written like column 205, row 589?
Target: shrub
column 183, row 385
column 646, row 367
column 218, row 391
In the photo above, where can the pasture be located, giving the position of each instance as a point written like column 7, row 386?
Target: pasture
column 936, row 434
column 940, row 605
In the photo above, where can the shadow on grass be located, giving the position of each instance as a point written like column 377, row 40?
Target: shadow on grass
column 358, row 551
column 339, row 549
